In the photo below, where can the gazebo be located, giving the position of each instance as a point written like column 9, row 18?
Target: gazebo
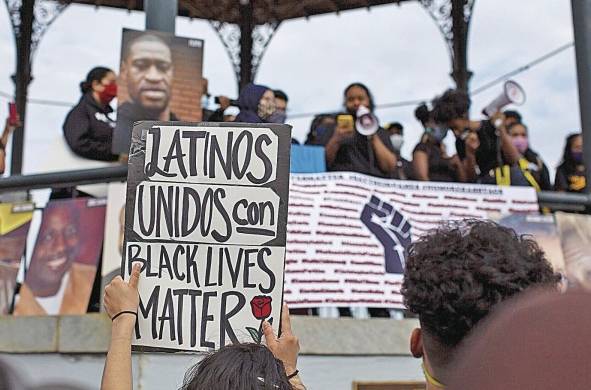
column 245, row 27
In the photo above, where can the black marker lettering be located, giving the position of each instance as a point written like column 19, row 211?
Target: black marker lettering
column 225, row 326
column 258, row 150
column 205, row 318
column 263, row 266
column 175, row 152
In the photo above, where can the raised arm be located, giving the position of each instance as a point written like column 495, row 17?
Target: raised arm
column 386, row 159
column 121, row 302
column 285, row 348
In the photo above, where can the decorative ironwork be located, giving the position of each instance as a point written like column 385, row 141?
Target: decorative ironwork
column 230, row 36
column 45, row 13
column 441, row 12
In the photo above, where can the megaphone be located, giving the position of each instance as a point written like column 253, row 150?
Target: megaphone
column 512, row 94
column 367, row 123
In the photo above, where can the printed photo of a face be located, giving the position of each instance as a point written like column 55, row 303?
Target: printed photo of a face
column 64, row 261
column 14, row 227
column 160, row 80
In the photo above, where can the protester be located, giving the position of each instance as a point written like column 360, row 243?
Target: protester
column 455, row 276
column 88, row 127
column 256, row 103
column 320, row 129
column 147, row 71
column 533, row 168
column 429, row 158
column 240, row 366
column 483, row 154
column 280, row 114
column 348, row 150
column 570, row 174
column 511, row 117
column 539, row 341
column 403, row 169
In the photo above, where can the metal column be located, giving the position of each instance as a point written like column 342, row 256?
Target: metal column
column 582, row 28
column 22, row 78
column 460, row 72
column 161, row 15
column 246, row 42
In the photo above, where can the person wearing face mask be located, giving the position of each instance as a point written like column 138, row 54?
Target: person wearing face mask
column 348, row 150
column 531, row 164
column 88, row 128
column 429, row 159
column 403, row 169
column 256, row 103
column 491, row 146
column 570, row 174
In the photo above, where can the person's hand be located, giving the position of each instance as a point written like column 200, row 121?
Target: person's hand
column 10, row 126
column 123, row 296
column 286, row 347
column 224, row 102
column 498, row 119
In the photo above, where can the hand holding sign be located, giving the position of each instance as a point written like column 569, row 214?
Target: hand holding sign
column 121, row 296
column 286, row 347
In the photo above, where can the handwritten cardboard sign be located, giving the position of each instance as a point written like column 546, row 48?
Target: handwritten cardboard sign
column 206, row 216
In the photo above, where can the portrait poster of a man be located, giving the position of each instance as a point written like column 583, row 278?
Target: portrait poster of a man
column 15, row 220
column 160, row 79
column 64, row 261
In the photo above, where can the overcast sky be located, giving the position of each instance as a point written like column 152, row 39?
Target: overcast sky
column 397, row 51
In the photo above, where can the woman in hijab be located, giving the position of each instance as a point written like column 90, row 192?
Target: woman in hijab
column 88, row 128
column 256, row 103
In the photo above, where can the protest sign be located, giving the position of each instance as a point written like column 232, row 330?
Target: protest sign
column 15, row 220
column 575, row 235
column 160, row 78
column 542, row 229
column 64, row 262
column 348, row 233
column 114, row 225
column 206, row 217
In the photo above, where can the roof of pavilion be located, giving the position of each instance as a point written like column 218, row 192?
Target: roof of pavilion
column 264, row 10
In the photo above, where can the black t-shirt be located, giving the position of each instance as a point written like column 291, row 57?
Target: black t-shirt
column 570, row 179
column 487, row 152
column 403, row 170
column 440, row 168
column 356, row 154
column 88, row 130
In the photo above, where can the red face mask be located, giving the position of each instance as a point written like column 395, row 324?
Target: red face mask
column 109, row 93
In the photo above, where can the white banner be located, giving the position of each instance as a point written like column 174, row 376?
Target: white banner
column 347, row 233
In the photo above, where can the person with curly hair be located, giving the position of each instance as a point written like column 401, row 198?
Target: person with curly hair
column 455, row 276
column 482, row 145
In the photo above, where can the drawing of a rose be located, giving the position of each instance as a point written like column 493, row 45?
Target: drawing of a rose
column 261, row 309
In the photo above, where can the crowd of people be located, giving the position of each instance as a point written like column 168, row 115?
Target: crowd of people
column 495, row 150
column 492, row 314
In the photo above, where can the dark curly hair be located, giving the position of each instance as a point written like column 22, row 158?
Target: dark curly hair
column 244, row 366
column 456, row 274
column 453, row 104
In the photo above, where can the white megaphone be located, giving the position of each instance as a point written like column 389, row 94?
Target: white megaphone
column 512, row 94
column 367, row 123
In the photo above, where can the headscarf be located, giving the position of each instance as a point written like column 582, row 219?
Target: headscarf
column 248, row 102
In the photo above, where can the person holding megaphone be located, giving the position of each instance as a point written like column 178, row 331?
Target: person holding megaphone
column 483, row 146
column 358, row 143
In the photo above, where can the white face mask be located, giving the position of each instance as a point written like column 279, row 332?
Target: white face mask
column 205, row 101
column 397, row 141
